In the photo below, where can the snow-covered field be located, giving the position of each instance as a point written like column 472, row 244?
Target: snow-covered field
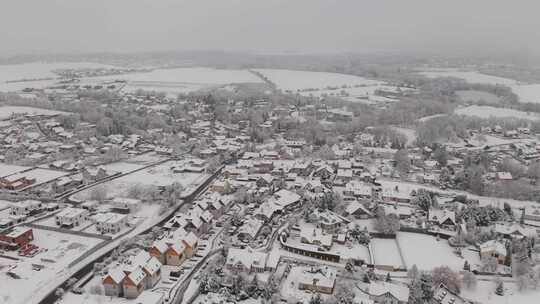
column 6, row 169
column 415, row 246
column 485, row 293
column 7, row 111
column 292, row 80
column 183, row 80
column 386, row 252
column 14, row 77
column 488, row 111
column 476, row 96
column 469, row 76
column 160, row 175
column 528, row 92
column 41, row 175
column 62, row 249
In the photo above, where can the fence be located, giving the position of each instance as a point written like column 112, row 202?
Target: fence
column 62, row 230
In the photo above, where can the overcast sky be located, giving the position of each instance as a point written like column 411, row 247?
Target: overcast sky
column 269, row 25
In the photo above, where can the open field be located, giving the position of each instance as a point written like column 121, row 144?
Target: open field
column 158, row 176
column 7, row 111
column 182, row 80
column 468, row 76
column 485, row 293
column 292, row 80
column 6, row 169
column 385, row 252
column 414, row 247
column 493, row 112
column 15, row 77
column 62, row 249
column 477, row 96
column 528, row 93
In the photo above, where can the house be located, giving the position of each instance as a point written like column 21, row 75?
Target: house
column 16, row 182
column 26, row 208
column 91, row 174
column 175, row 254
column 250, row 229
column 125, row 205
column 71, row 217
column 320, row 280
column 388, row 293
column 134, row 284
column 246, row 260
column 493, row 248
column 111, row 223
column 358, row 210
column 443, row 295
column 113, row 282
column 158, row 250
column 328, row 220
column 315, row 236
column 18, row 237
column 442, row 218
column 504, row 176
column 514, row 231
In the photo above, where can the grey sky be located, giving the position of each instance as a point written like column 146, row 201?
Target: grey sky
column 269, row 25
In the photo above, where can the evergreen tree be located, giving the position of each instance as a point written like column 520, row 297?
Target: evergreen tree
column 500, row 289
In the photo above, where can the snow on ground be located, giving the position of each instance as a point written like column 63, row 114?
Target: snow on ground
column 386, row 252
column 485, row 293
column 527, row 93
column 62, row 249
column 122, row 166
column 289, row 287
column 476, row 96
column 426, row 118
column 293, row 80
column 41, row 74
column 160, row 175
column 7, row 111
column 6, row 169
column 40, row 175
column 469, row 76
column 488, row 111
column 427, row 253
column 182, row 80
column 490, row 140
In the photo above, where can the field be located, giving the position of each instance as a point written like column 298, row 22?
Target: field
column 62, row 249
column 493, row 112
column 469, row 76
column 7, row 111
column 182, row 80
column 41, row 175
column 385, row 252
column 414, row 246
column 160, row 175
column 528, row 93
column 476, row 96
column 36, row 74
column 291, row 80
column 485, row 293
column 6, row 169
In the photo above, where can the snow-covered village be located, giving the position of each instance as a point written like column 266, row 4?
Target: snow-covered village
column 224, row 174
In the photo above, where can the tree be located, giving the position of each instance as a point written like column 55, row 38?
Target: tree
column 344, row 292
column 413, row 274
column 499, row 290
column 426, row 285
column 388, row 277
column 315, row 299
column 441, row 155
column 403, row 163
column 448, row 277
column 489, row 264
column 469, row 280
column 466, row 266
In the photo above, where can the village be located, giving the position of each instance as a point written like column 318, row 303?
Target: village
column 228, row 196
